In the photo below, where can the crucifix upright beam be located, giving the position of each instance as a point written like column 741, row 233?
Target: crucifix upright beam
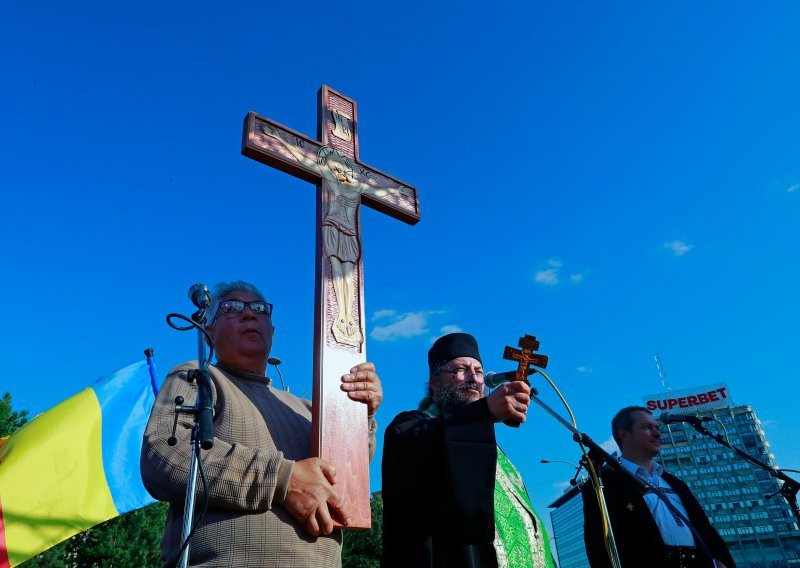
column 331, row 162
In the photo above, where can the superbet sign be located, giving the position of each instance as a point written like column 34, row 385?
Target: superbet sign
column 692, row 400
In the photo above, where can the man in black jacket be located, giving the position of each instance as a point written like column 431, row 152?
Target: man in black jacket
column 646, row 530
column 451, row 497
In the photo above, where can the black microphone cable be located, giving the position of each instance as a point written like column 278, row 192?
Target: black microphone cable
column 193, row 324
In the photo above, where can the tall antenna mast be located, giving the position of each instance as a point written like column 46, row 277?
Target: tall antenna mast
column 661, row 372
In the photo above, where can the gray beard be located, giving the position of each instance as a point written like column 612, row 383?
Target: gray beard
column 454, row 396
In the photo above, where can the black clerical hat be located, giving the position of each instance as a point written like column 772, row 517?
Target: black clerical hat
column 451, row 346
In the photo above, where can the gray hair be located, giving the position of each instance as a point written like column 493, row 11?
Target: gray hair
column 427, row 400
column 224, row 288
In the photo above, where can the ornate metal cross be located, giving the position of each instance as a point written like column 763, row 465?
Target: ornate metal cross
column 339, row 425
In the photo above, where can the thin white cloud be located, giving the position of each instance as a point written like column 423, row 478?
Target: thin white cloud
column 678, row 248
column 450, row 329
column 553, row 275
column 793, row 188
column 583, row 369
column 547, row 277
column 610, row 446
column 403, row 326
column 383, row 314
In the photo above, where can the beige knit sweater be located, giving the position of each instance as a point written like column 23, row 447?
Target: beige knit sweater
column 259, row 433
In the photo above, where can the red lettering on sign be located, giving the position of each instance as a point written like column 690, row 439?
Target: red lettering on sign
column 698, row 399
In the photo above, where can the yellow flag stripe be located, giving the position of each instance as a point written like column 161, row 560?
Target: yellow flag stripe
column 52, row 482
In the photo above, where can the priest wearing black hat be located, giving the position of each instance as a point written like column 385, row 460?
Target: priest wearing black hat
column 451, row 497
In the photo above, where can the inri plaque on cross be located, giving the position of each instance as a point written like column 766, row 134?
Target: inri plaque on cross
column 339, row 425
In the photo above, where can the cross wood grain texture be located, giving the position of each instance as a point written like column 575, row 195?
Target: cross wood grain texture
column 331, row 162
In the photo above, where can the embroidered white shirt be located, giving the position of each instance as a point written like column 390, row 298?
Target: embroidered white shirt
column 673, row 530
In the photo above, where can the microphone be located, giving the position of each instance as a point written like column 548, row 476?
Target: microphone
column 494, row 380
column 667, row 418
column 200, row 296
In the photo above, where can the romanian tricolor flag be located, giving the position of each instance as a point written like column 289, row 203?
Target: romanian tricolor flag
column 76, row 465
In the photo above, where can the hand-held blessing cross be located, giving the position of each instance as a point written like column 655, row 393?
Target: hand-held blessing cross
column 526, row 358
column 339, row 425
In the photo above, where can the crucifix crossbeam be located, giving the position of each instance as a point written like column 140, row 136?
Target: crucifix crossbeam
column 331, row 162
column 525, row 357
column 308, row 159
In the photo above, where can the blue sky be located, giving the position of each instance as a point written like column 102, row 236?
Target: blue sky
column 618, row 179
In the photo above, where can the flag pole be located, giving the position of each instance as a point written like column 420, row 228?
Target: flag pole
column 151, row 366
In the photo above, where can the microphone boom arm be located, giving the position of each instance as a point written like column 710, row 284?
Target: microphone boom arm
column 790, row 486
column 598, row 454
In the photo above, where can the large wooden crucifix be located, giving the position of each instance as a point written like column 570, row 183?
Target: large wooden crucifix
column 339, row 425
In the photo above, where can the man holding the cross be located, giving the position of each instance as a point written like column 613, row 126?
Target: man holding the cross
column 451, row 496
column 269, row 502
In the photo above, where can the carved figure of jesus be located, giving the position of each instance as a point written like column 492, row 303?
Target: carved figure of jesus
column 341, row 244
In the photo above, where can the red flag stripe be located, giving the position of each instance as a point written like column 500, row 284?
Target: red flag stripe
column 4, row 563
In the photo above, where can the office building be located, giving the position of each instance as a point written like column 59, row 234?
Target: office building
column 760, row 532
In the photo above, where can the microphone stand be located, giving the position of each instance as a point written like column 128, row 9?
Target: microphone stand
column 788, row 489
column 601, row 453
column 202, row 436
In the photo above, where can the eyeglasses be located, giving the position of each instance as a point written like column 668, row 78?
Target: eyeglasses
column 258, row 307
column 461, row 373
